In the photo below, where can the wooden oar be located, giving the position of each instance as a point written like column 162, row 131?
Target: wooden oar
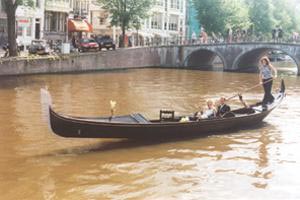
column 229, row 98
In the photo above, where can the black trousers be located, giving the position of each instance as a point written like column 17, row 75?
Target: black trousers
column 268, row 97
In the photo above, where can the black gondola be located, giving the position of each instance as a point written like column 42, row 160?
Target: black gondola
column 137, row 126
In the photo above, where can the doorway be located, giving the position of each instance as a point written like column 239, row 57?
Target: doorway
column 37, row 29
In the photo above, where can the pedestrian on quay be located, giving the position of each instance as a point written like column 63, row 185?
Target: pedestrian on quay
column 229, row 35
column 274, row 33
column 280, row 34
column 194, row 37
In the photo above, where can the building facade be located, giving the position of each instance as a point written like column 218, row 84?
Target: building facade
column 30, row 22
column 56, row 18
column 166, row 24
column 3, row 25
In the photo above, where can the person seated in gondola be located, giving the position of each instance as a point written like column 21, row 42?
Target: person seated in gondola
column 222, row 108
column 208, row 113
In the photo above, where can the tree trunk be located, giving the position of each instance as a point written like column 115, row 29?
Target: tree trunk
column 123, row 23
column 137, row 39
column 123, row 36
column 11, row 27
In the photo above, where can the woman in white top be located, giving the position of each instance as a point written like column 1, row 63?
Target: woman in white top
column 266, row 79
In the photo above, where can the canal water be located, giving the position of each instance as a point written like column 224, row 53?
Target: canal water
column 261, row 163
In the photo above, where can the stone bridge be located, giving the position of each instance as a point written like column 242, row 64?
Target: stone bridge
column 243, row 57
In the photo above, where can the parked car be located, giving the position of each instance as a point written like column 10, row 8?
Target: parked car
column 87, row 44
column 39, row 47
column 105, row 42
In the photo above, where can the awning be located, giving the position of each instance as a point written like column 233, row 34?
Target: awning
column 79, row 25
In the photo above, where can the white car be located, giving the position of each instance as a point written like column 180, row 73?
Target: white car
column 39, row 47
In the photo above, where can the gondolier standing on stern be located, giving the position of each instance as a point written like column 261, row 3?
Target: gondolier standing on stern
column 266, row 79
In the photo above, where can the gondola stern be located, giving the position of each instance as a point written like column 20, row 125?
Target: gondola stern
column 46, row 104
column 282, row 86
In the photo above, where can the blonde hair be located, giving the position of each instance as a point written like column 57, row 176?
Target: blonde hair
column 210, row 102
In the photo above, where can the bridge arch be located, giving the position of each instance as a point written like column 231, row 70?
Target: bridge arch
column 202, row 59
column 248, row 61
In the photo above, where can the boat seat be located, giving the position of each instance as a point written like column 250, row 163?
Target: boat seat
column 166, row 115
column 139, row 118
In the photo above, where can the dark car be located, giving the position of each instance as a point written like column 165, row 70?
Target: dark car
column 39, row 47
column 105, row 42
column 87, row 44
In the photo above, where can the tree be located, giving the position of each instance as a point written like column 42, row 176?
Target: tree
column 261, row 15
column 285, row 15
column 211, row 14
column 10, row 7
column 237, row 14
column 217, row 16
column 124, row 12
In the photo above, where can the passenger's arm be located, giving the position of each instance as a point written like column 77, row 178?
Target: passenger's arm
column 242, row 101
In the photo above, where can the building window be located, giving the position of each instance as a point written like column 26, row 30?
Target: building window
column 181, row 6
column 173, row 26
column 101, row 20
column 62, row 22
column 53, row 22
column 173, row 4
column 28, row 31
column 160, row 2
column 166, row 5
column 38, row 4
column 156, row 22
column 1, row 6
column 3, row 25
column 148, row 23
column 20, row 31
column 173, row 23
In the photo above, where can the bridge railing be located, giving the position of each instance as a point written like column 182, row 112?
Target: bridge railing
column 215, row 40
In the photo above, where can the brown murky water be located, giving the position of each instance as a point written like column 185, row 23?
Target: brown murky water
column 262, row 163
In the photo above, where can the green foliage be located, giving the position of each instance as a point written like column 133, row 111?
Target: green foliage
column 237, row 14
column 125, row 12
column 217, row 16
column 211, row 15
column 285, row 14
column 261, row 15
column 16, row 3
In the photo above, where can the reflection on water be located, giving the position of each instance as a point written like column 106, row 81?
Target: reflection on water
column 36, row 164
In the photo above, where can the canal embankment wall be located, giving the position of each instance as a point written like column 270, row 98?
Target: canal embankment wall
column 92, row 61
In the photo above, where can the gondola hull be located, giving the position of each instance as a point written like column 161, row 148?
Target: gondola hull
column 80, row 127
column 69, row 127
